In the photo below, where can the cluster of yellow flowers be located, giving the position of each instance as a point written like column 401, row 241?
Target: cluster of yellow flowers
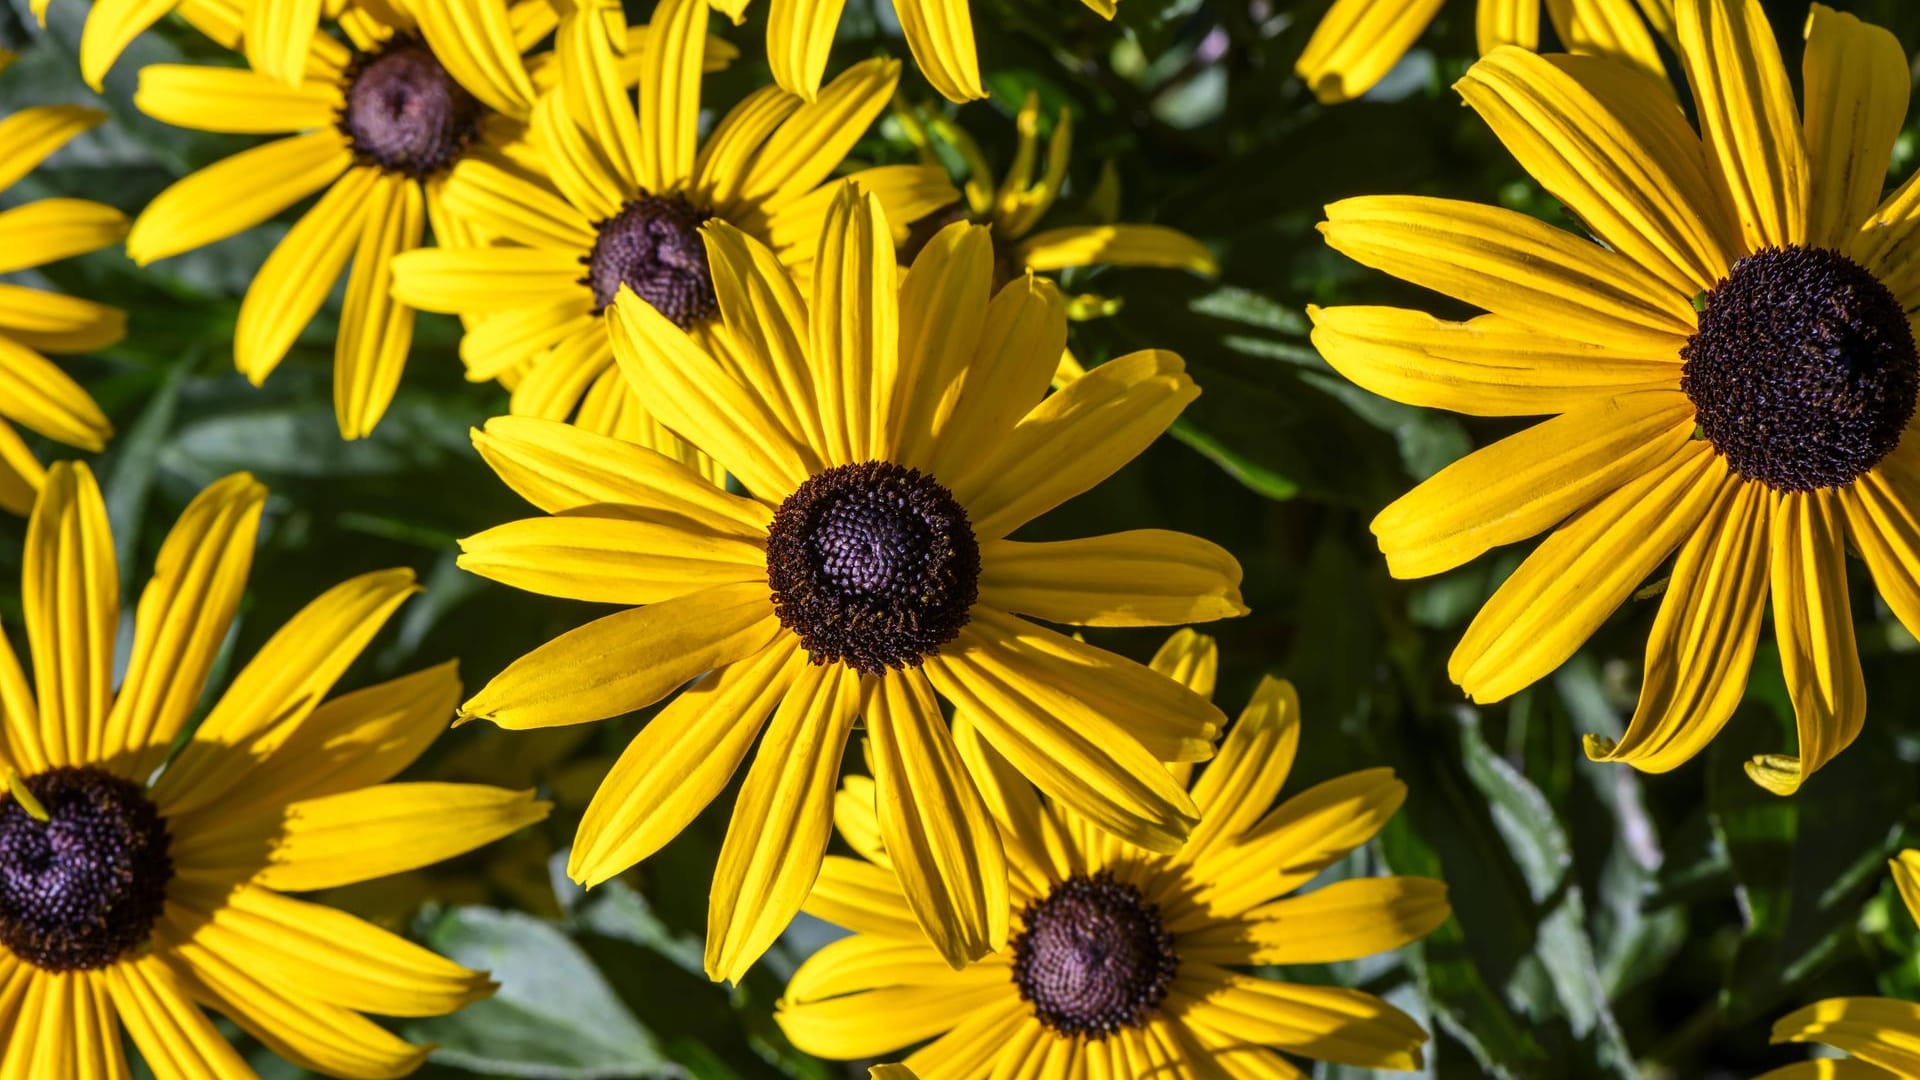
column 791, row 437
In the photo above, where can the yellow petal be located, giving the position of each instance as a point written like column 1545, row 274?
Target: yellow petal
column 499, row 345
column 680, row 762
column 1146, row 577
column 1856, row 89
column 1489, row 366
column 1116, row 245
column 1346, row 920
column 65, row 1027
column 1073, row 440
column 1289, row 846
column 279, row 35
column 669, row 93
column 280, row 686
column 1747, row 116
column 800, row 35
column 111, row 26
column 1325, row 1023
column 1507, row 22
column 1589, row 566
column 1618, row 153
column 595, row 96
column 31, row 135
column 907, row 193
column 516, row 207
column 863, row 962
column 171, row 1032
column 1239, row 785
column 809, row 145
column 1358, row 42
column 70, row 589
column 1530, row 481
column 1038, row 849
column 627, row 660
column 721, row 165
column 49, row 230
column 780, row 826
column 854, row 343
column 300, row 273
column 576, row 165
column 1874, row 1030
column 370, row 350
column 1514, row 265
column 1813, row 620
column 767, row 324
column 36, row 394
column 985, row 1035
column 1906, row 877
column 474, row 41
column 1616, row 31
column 236, row 194
column 52, row 322
column 844, row 1028
column 1702, row 642
column 354, row 836
column 611, row 560
column 1191, row 659
column 863, row 898
column 943, row 310
column 940, row 35
column 182, row 620
column 942, row 842
column 1883, row 521
column 480, row 279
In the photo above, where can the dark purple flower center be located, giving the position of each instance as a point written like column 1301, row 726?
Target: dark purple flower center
column 1093, row 957
column 404, row 113
column 653, row 246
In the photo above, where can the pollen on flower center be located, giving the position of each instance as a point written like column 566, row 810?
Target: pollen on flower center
column 653, row 247
column 1803, row 371
column 405, row 113
column 1094, row 957
column 82, row 887
column 873, row 565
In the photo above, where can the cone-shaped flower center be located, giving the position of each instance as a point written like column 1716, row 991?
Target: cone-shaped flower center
column 1803, row 371
column 1093, row 957
column 82, row 887
column 404, row 113
column 873, row 565
column 653, row 247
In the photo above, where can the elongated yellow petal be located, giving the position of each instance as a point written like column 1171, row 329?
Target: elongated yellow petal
column 940, row 35
column 1358, row 42
column 36, row 394
column 65, row 1026
column 300, row 274
column 1883, row 520
column 1038, row 849
column 1507, row 22
column 628, row 660
column 49, row 230
column 111, row 26
column 722, row 162
column 943, row 312
column 781, row 823
column 1237, row 788
column 52, row 322
column 1530, row 481
column 370, row 350
column 611, row 560
column 183, row 618
column 843, row 1028
column 236, row 194
column 355, row 836
column 907, row 193
column 1116, row 245
column 1813, row 620
column 1856, row 89
column 1346, row 920
column 1516, row 266
column 669, row 93
column 171, row 1032
column 481, row 279
column 769, row 327
column 1906, row 878
column 1488, row 366
column 279, row 36
column 809, row 145
column 1580, row 574
column 30, row 136
column 1871, row 1029
column 943, row 844
column 1618, row 153
column 70, row 588
column 1702, row 642
column 1325, row 1023
column 680, row 762
column 1616, row 31
column 474, row 39
column 800, row 35
column 1146, row 577
column 500, row 345
column 854, row 347
column 595, row 96
column 863, row 898
column 516, row 207
column 1747, row 116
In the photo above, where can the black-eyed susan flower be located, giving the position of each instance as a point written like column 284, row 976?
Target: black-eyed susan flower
column 373, row 126
column 34, row 393
column 1015, row 207
column 623, row 204
column 1123, row 961
column 1359, row 41
column 1881, row 1035
column 891, row 433
column 140, row 884
column 1756, row 434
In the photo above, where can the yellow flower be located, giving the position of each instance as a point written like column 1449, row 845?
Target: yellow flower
column 1121, row 960
column 626, row 203
column 1881, row 1034
column 172, row 888
column 1016, row 206
column 33, row 392
column 460, row 79
column 1756, row 435
column 939, row 33
column 892, row 433
column 1359, row 41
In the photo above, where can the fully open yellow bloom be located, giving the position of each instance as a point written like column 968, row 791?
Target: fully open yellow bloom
column 1757, row 434
column 1881, row 1034
column 1359, row 41
column 33, row 392
column 171, row 886
column 622, row 203
column 1123, row 962
column 891, row 433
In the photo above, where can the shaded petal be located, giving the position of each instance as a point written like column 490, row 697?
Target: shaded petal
column 973, row 401
column 799, row 37
column 1239, row 785
column 1878, row 1031
column 1326, row 1023
column 503, row 201
column 1883, row 520
column 279, row 35
column 1856, row 89
column 1506, row 22
column 1146, row 577
column 721, row 165
column 1038, row 848
column 627, row 660
column 235, row 194
column 1357, row 42
column 1747, row 116
column 174, row 1037
column 1115, row 245
column 943, row 309
column 680, row 762
column 940, row 35
column 767, row 323
column 36, row 394
column 1346, row 920
column 20, row 473
column 30, row 136
column 863, row 898
column 594, row 94
column 70, row 590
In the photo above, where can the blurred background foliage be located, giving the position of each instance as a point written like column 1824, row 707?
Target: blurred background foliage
column 1608, row 924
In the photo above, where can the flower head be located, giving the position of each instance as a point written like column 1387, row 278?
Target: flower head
column 1733, row 374
column 38, row 395
column 1121, row 955
column 890, row 432
column 140, row 884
